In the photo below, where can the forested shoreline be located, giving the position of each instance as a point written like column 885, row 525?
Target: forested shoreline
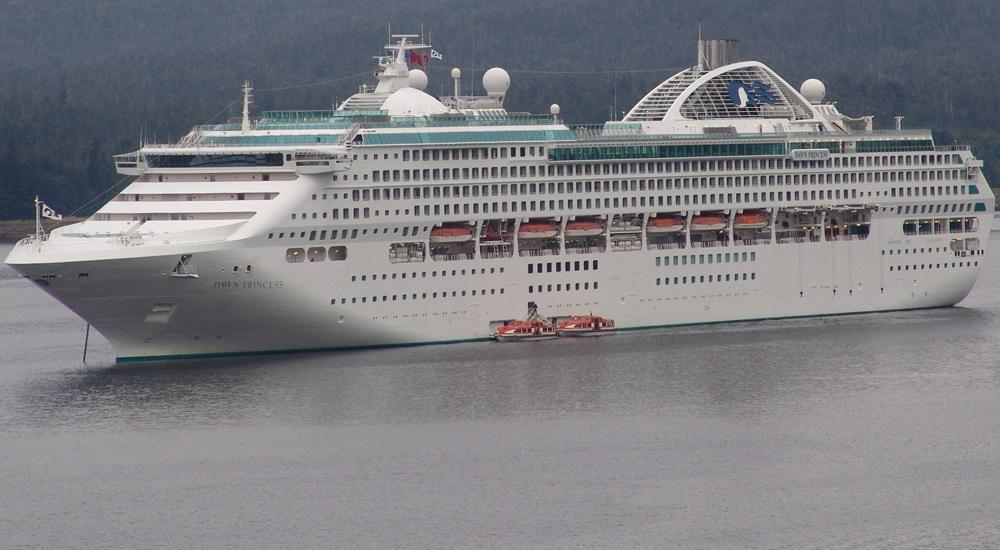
column 84, row 81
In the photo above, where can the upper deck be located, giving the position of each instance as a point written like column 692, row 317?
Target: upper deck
column 720, row 107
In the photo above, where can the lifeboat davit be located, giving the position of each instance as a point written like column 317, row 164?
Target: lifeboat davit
column 751, row 220
column 665, row 224
column 525, row 330
column 451, row 234
column 585, row 325
column 582, row 228
column 490, row 235
column 708, row 222
column 537, row 230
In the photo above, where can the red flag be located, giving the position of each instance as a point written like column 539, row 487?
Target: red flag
column 417, row 58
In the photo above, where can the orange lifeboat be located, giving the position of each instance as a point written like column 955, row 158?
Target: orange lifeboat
column 751, row 220
column 583, row 228
column 665, row 224
column 585, row 325
column 514, row 331
column 451, row 234
column 537, row 230
column 708, row 222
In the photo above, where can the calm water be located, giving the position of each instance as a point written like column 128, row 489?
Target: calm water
column 860, row 431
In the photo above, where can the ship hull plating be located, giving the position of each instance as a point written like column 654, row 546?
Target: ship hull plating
column 248, row 299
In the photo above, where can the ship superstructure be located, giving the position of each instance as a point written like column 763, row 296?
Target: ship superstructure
column 725, row 194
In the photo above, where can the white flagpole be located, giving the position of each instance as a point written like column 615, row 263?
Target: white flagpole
column 38, row 221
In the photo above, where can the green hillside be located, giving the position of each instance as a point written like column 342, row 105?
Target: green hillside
column 84, row 80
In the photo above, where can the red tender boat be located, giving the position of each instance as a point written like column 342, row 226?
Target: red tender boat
column 525, row 330
column 585, row 325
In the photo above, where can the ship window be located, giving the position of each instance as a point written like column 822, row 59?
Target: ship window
column 295, row 255
column 337, row 253
column 316, row 254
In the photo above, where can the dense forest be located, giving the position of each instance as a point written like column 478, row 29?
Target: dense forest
column 84, row 80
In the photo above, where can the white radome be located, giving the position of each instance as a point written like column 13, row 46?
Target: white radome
column 813, row 90
column 456, row 73
column 496, row 81
column 412, row 102
column 418, row 79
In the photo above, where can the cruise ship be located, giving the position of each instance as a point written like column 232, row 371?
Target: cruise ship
column 399, row 218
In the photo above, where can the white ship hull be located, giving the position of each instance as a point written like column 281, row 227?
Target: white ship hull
column 280, row 307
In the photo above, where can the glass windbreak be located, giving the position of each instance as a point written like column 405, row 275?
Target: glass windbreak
column 210, row 161
column 666, row 151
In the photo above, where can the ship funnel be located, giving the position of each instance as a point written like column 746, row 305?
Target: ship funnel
column 715, row 53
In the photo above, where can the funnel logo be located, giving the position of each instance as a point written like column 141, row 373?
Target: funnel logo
column 750, row 94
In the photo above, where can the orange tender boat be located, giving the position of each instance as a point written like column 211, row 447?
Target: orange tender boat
column 708, row 222
column 751, row 220
column 451, row 234
column 667, row 224
column 583, row 228
column 537, row 230
column 585, row 325
column 524, row 330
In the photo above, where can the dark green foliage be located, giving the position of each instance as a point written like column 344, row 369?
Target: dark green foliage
column 84, row 80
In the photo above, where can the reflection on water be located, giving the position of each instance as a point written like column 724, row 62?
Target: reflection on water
column 871, row 430
column 747, row 368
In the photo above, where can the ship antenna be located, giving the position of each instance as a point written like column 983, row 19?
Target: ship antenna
column 246, row 106
column 701, row 53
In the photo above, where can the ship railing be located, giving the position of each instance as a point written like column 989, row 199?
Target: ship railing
column 495, row 255
column 707, row 244
column 539, row 252
column 751, row 242
column 458, row 120
column 451, row 257
column 803, row 239
column 602, row 131
column 626, row 227
column 665, row 246
column 406, row 259
column 104, row 241
column 853, row 237
column 218, row 127
column 585, row 250
column 625, row 246
column 32, row 240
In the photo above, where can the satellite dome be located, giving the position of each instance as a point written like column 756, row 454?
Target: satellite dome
column 456, row 73
column 813, row 90
column 418, row 79
column 554, row 109
column 412, row 102
column 496, row 81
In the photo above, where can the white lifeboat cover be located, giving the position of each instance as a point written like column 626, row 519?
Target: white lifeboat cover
column 412, row 102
